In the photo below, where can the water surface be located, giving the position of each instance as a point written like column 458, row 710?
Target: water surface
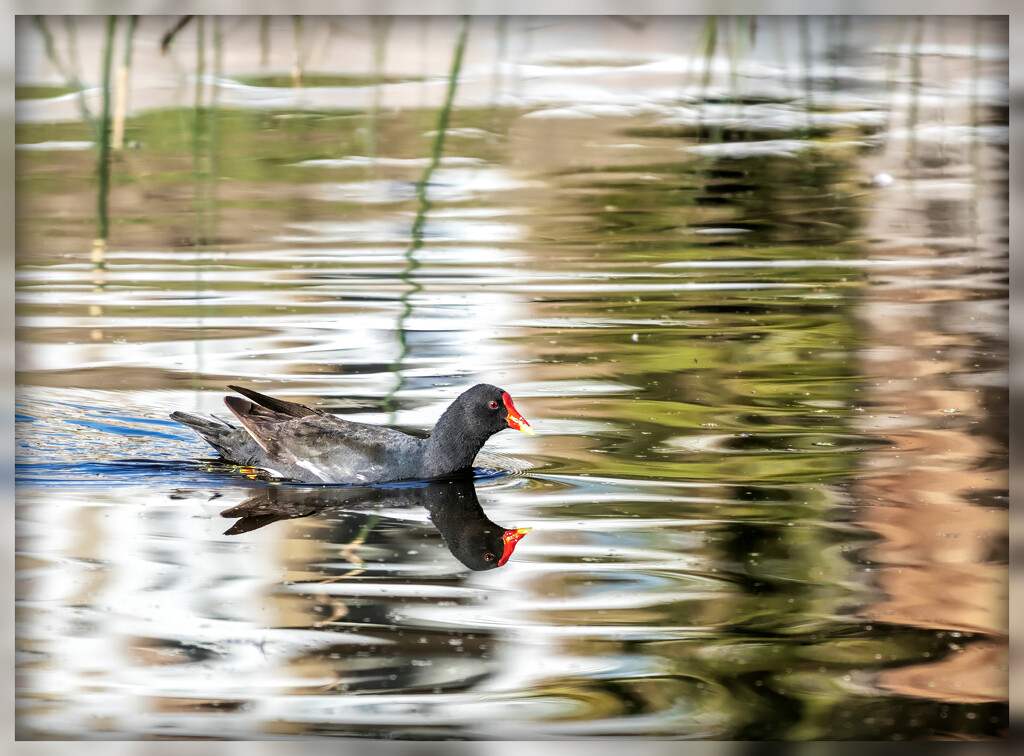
column 758, row 320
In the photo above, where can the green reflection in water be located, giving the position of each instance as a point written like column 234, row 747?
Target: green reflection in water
column 422, row 209
column 713, row 423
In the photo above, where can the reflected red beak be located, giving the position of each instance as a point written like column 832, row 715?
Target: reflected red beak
column 515, row 420
column 510, row 539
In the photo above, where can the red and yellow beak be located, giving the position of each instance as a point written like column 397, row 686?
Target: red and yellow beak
column 515, row 420
column 510, row 538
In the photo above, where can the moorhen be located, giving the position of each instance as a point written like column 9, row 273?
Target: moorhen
column 308, row 445
column 470, row 536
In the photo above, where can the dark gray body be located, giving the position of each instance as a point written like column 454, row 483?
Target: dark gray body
column 308, row 445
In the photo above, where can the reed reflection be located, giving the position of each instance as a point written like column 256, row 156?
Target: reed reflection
column 471, row 537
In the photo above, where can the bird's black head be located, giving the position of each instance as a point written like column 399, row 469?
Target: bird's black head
column 470, row 536
column 463, row 429
column 483, row 546
column 484, row 410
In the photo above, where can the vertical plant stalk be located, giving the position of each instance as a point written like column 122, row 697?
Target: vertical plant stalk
column 200, row 59
column 264, row 41
column 69, row 75
column 741, row 31
column 709, row 40
column 780, row 49
column 710, row 48
column 842, row 49
column 199, row 240
column 891, row 69
column 443, row 118
column 975, row 86
column 830, row 58
column 197, row 131
column 732, row 48
column 74, row 67
column 297, row 59
column 805, row 53
column 121, row 90
column 381, row 26
column 975, row 148
column 710, row 35
column 424, row 47
column 414, row 287
column 103, row 163
column 915, row 91
column 524, row 55
column 940, row 33
column 501, row 32
column 747, row 44
column 213, row 120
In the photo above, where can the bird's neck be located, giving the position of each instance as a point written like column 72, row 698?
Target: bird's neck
column 456, row 508
column 451, row 447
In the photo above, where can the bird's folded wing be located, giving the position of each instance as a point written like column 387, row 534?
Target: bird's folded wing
column 292, row 409
column 328, row 446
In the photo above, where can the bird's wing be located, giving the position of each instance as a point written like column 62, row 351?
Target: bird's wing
column 331, row 449
column 292, row 409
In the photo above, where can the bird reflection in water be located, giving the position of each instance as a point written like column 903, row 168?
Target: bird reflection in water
column 454, row 508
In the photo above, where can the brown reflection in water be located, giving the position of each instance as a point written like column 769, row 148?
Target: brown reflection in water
column 936, row 392
column 975, row 674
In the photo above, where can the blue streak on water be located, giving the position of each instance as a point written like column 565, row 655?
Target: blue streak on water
column 121, row 430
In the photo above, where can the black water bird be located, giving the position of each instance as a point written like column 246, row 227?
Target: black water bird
column 309, row 445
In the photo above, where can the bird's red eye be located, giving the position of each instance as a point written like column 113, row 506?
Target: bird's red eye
column 489, row 557
column 493, row 404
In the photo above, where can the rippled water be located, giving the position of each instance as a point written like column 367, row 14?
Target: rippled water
column 759, row 328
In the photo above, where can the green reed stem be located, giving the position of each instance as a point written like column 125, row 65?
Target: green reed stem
column 103, row 163
column 412, row 264
column 68, row 72
column 197, row 131
column 442, row 128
